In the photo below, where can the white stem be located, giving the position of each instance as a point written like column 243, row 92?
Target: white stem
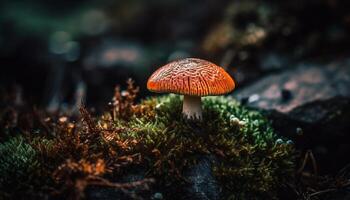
column 192, row 107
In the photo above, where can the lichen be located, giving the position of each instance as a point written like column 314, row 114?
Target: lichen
column 250, row 159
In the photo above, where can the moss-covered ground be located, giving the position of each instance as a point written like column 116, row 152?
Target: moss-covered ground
column 62, row 158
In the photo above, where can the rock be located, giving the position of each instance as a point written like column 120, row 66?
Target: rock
column 287, row 90
column 202, row 181
column 310, row 105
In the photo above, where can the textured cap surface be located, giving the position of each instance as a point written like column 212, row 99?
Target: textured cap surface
column 191, row 76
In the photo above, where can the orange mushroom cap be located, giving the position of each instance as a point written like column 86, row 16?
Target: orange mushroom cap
column 191, row 76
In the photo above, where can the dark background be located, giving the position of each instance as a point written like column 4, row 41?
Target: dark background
column 52, row 50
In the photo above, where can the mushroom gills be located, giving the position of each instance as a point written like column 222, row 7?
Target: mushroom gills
column 192, row 107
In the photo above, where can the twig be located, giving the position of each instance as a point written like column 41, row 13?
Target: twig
column 308, row 155
column 124, row 187
column 322, row 192
column 98, row 181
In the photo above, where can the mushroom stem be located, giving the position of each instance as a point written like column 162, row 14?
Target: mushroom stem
column 192, row 107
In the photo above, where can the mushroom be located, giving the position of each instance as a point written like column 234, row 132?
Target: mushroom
column 193, row 78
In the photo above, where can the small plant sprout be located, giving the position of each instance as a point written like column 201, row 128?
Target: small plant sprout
column 279, row 141
column 193, row 78
column 236, row 122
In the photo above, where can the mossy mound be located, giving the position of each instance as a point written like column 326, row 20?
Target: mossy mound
column 251, row 160
column 64, row 158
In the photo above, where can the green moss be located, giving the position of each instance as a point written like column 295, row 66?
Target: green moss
column 18, row 166
column 250, row 162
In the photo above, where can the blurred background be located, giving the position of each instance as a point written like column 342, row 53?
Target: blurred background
column 54, row 51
